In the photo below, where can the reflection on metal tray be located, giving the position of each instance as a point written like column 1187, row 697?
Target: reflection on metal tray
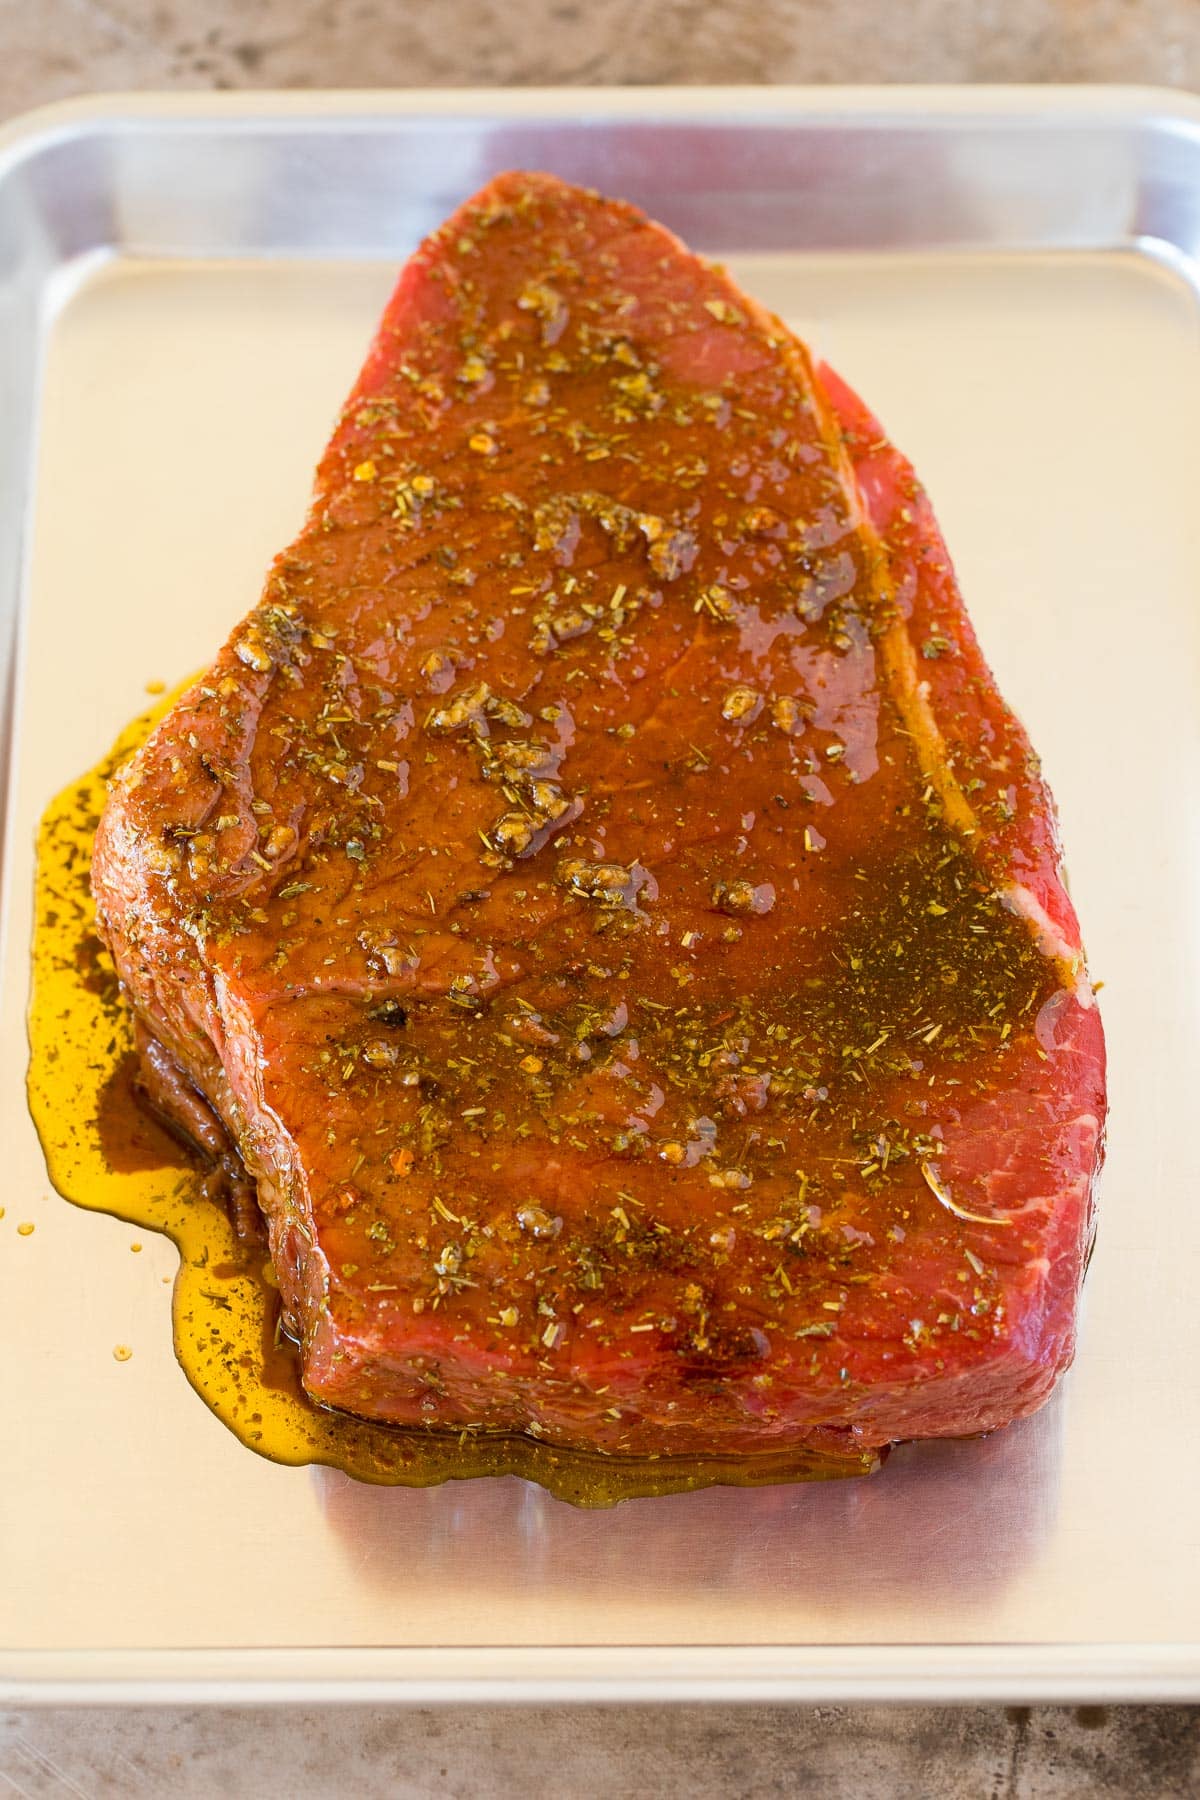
column 185, row 290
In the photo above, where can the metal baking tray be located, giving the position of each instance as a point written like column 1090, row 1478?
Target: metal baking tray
column 186, row 288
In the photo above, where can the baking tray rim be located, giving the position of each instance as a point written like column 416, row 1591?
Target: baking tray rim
column 885, row 103
column 884, row 1672
column 894, row 1673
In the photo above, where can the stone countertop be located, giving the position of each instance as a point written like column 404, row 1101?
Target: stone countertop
column 602, row 1753
column 57, row 48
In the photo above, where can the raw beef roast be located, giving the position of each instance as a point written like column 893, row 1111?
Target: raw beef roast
column 604, row 897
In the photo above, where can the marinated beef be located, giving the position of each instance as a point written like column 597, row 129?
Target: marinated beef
column 605, row 898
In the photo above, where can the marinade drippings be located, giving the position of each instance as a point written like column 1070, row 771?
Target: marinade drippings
column 106, row 1153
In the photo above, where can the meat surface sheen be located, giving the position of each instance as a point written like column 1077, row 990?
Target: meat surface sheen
column 605, row 897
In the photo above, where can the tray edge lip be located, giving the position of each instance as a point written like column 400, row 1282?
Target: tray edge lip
column 24, row 134
column 885, row 1673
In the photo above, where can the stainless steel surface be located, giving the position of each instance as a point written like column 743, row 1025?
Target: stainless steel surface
column 1009, row 279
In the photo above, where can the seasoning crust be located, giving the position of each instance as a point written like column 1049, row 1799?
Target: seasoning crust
column 602, row 895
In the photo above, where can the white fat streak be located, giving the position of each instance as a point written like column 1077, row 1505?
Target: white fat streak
column 944, row 1197
column 1050, row 940
column 912, row 695
column 898, row 656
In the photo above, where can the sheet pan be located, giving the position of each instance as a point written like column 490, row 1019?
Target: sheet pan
column 1009, row 276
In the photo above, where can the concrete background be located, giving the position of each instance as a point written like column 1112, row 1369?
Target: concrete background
column 50, row 49
column 600, row 1753
column 61, row 47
